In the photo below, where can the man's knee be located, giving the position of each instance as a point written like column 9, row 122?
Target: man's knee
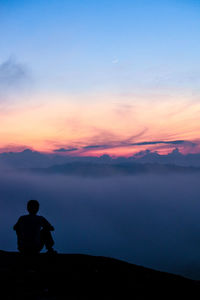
column 46, row 238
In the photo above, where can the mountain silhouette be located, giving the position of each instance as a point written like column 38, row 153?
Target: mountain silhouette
column 34, row 159
column 76, row 276
column 101, row 170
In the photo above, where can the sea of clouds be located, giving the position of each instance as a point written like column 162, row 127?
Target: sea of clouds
column 153, row 221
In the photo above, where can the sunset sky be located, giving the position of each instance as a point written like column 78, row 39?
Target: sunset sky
column 87, row 77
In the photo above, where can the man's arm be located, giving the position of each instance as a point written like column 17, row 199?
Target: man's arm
column 46, row 225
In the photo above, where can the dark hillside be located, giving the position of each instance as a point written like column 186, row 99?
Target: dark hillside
column 74, row 276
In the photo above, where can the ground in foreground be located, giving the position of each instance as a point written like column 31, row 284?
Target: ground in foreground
column 76, row 276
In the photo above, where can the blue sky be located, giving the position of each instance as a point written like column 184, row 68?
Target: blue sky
column 103, row 45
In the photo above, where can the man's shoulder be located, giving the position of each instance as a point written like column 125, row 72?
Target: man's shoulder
column 30, row 217
column 23, row 217
column 41, row 217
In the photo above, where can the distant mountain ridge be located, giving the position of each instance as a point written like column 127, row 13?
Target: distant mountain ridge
column 34, row 159
column 102, row 170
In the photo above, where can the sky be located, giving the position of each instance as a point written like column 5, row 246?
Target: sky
column 100, row 77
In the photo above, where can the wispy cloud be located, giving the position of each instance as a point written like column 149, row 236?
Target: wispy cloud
column 14, row 148
column 12, row 73
column 115, row 60
column 177, row 142
column 65, row 150
column 15, row 80
column 89, row 147
column 126, row 143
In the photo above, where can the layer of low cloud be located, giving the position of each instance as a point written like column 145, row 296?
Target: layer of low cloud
column 148, row 220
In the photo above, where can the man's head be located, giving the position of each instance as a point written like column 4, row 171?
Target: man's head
column 33, row 207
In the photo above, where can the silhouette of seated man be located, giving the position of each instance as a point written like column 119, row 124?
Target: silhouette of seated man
column 33, row 231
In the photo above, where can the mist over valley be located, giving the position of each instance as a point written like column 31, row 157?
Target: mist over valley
column 147, row 219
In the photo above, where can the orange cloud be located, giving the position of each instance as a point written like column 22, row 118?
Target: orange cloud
column 49, row 122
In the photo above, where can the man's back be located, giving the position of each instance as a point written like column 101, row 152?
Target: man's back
column 28, row 229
